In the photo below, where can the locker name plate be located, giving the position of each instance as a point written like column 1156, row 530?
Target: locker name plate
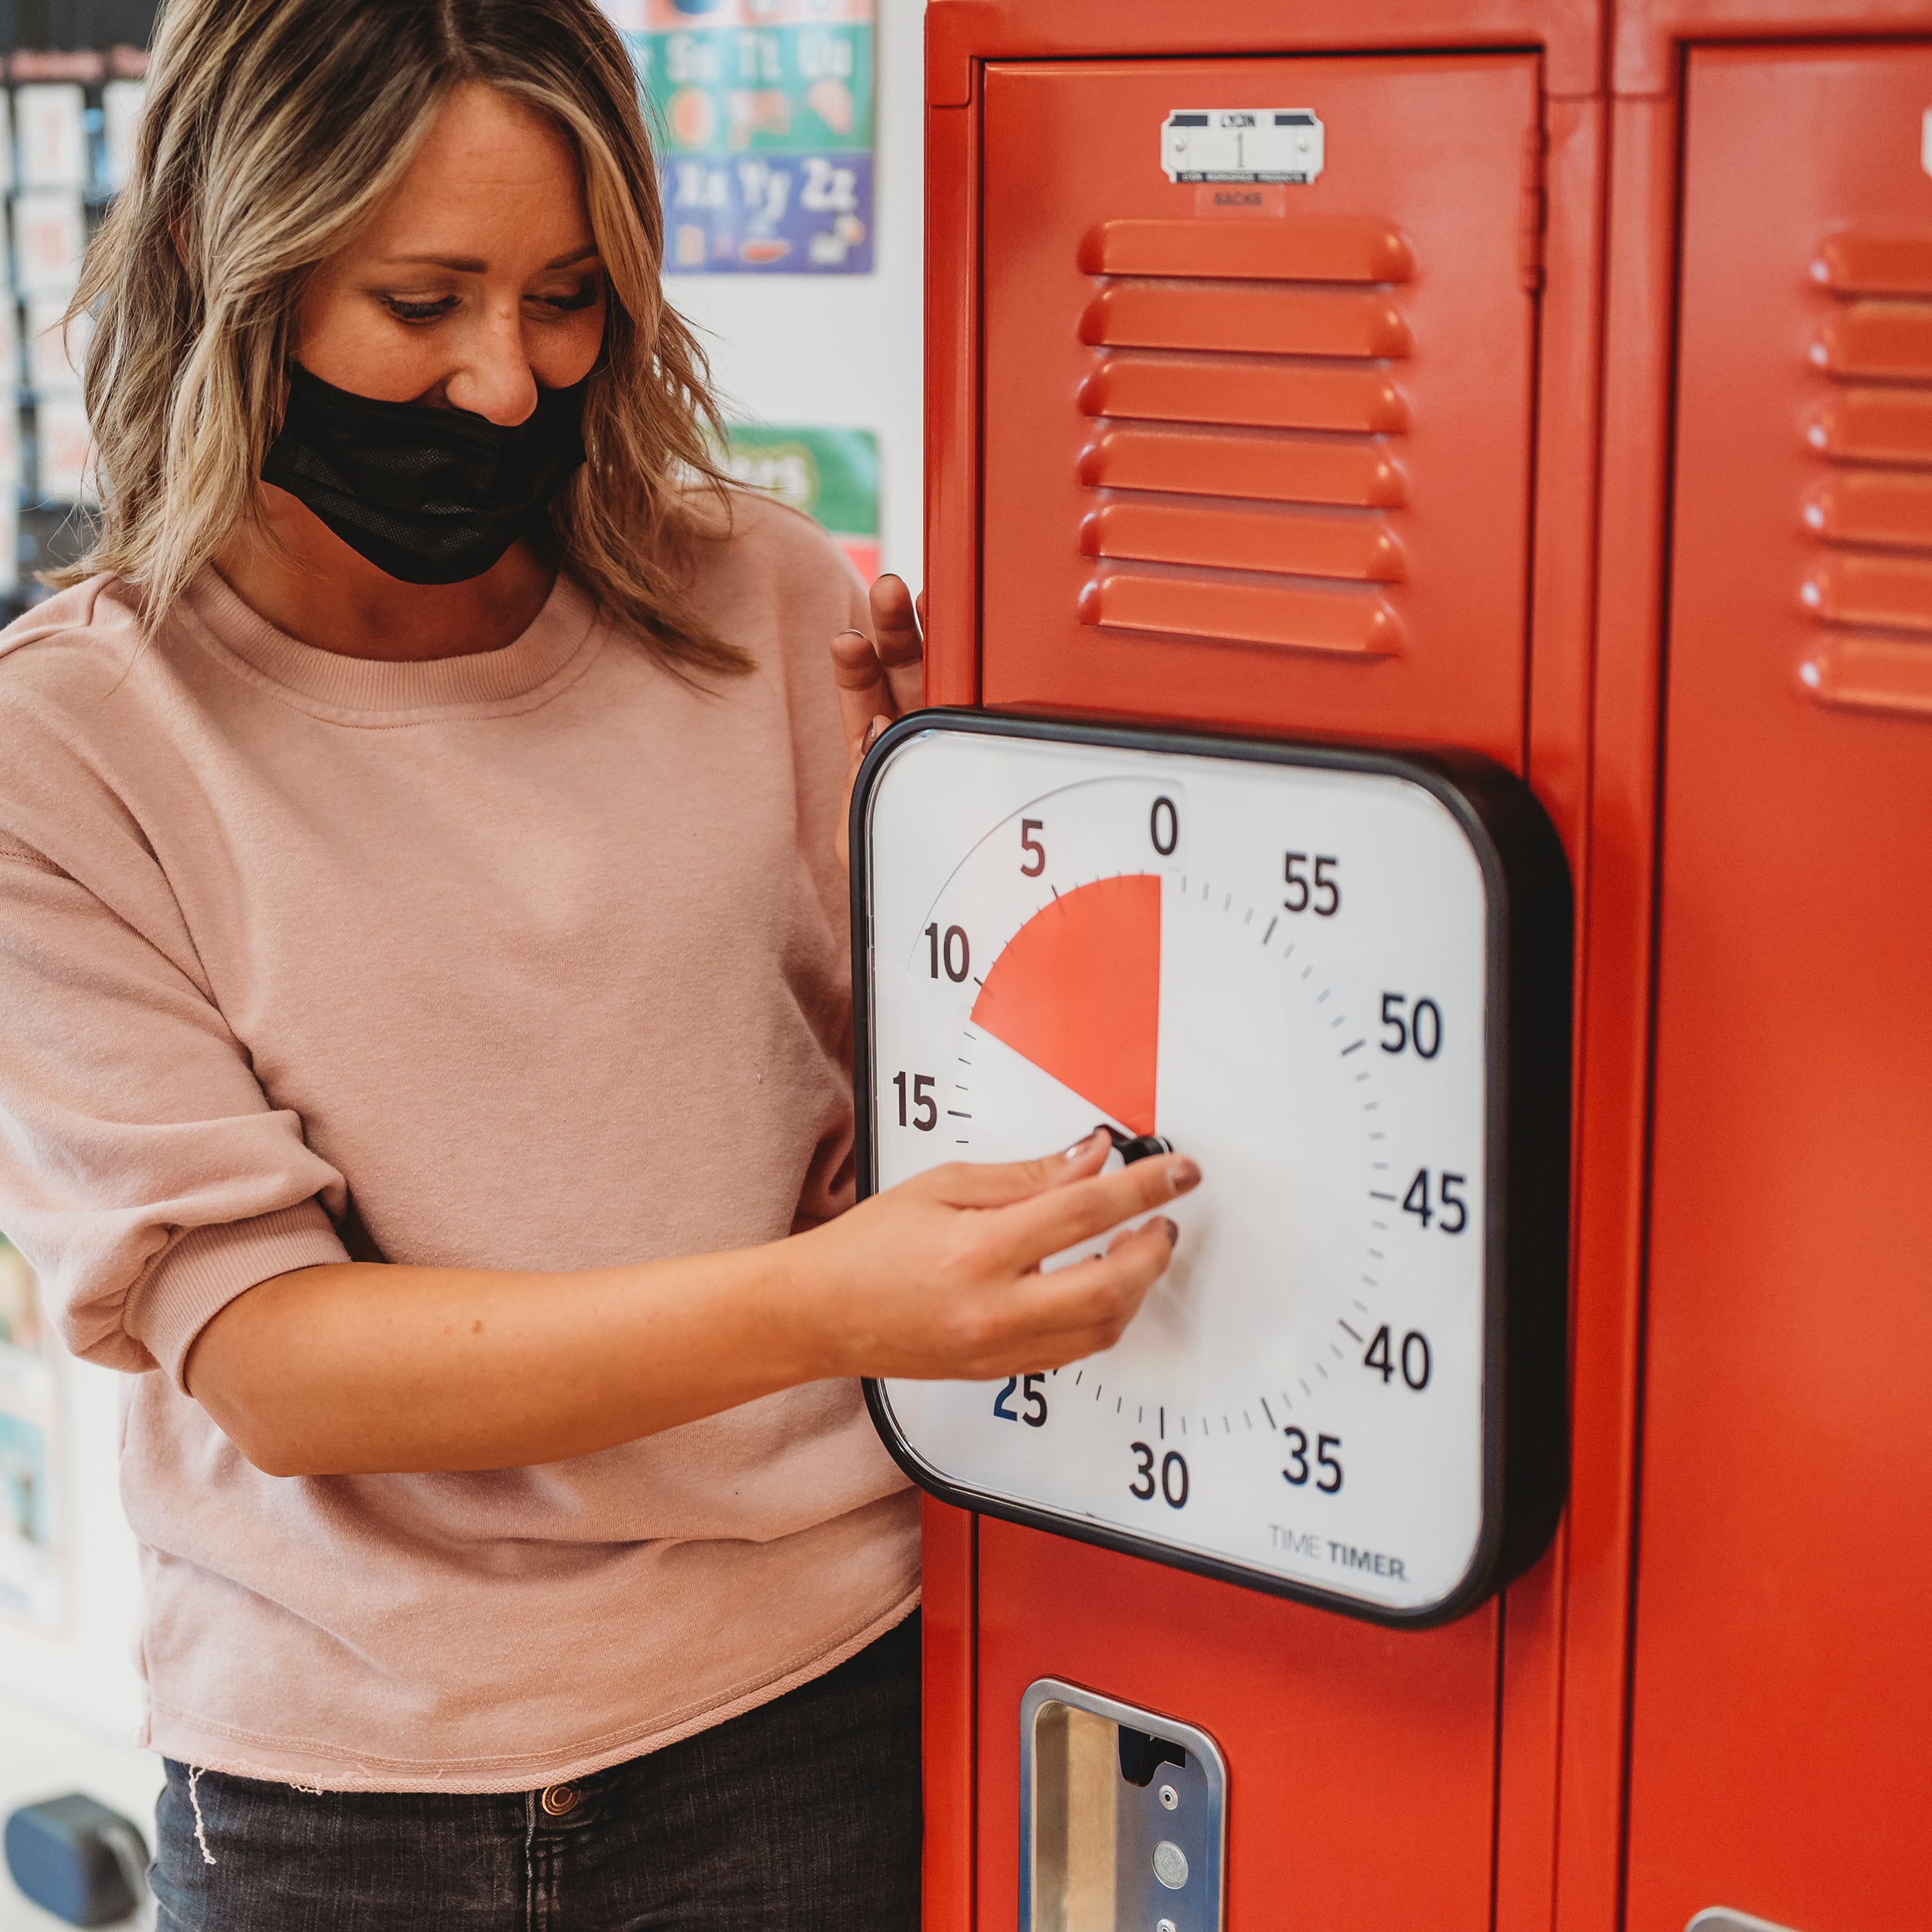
column 1341, row 980
column 1242, row 144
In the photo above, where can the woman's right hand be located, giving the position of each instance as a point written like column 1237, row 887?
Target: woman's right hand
column 939, row 1278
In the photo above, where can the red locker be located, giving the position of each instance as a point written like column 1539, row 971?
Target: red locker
column 1320, row 467
column 1262, row 468
column 1632, row 489
column 1782, row 1697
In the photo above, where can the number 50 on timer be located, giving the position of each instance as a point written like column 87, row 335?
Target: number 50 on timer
column 1339, row 979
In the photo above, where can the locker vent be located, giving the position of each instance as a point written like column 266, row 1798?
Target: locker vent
column 1241, row 465
column 1871, row 589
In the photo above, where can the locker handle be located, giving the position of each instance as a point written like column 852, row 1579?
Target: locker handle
column 1341, row 250
column 1854, row 263
column 1242, row 318
column 1870, row 674
column 1342, row 624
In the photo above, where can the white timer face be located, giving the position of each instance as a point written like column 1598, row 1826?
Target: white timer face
column 1284, row 970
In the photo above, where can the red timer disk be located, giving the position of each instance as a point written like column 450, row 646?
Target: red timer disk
column 1077, row 991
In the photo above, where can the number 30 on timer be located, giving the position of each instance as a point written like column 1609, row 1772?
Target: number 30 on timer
column 1341, row 980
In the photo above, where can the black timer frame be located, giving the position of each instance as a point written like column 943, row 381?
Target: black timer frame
column 1527, row 882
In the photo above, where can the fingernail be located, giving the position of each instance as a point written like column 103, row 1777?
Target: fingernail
column 874, row 730
column 1079, row 1147
column 1173, row 1231
column 1184, row 1175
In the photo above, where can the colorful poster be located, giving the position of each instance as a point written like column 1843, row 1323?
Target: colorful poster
column 30, row 1571
column 762, row 113
column 831, row 475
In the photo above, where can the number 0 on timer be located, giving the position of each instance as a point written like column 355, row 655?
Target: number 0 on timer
column 1340, row 979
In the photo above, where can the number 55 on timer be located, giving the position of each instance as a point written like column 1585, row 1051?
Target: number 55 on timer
column 1341, row 980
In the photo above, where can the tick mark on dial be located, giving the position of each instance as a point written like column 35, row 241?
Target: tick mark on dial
column 1270, row 933
column 1362, row 1305
column 1266, row 1410
column 953, row 1113
column 1250, row 919
column 1321, row 1370
column 1359, row 1078
column 1342, row 1322
column 1378, row 1136
column 1383, row 1225
column 1336, row 1353
column 1077, row 1379
column 1305, row 971
column 1375, row 1194
column 1347, row 1050
column 1376, row 1254
column 1097, row 1392
column 1372, row 1281
column 1323, row 995
column 1305, row 1389
column 1160, row 1433
column 1248, row 1418
column 1227, row 904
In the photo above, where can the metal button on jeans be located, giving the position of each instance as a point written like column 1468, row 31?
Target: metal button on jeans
column 559, row 1798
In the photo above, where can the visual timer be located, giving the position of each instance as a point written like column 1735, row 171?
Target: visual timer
column 1340, row 981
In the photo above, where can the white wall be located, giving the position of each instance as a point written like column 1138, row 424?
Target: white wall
column 85, row 1672
column 844, row 351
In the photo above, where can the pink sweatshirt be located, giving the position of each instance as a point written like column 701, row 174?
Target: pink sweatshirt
column 532, row 959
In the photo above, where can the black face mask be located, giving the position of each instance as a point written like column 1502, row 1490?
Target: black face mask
column 430, row 495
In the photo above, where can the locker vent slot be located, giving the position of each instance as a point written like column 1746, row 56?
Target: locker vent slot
column 1243, row 402
column 1870, row 588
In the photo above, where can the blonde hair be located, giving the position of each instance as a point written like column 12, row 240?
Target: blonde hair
column 273, row 129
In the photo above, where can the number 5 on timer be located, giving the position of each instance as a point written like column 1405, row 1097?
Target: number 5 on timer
column 1341, row 980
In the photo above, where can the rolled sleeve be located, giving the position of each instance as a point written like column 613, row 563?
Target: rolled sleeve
column 144, row 1172
column 194, row 1278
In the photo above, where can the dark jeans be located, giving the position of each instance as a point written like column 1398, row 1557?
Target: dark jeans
column 801, row 1816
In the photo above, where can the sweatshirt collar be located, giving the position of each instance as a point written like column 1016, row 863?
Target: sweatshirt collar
column 550, row 653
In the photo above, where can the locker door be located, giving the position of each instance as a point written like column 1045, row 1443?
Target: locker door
column 1361, row 1762
column 1783, row 1701
column 1262, row 458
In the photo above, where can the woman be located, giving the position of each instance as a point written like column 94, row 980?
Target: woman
column 425, row 1065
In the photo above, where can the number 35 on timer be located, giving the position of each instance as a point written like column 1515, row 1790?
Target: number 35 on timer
column 1341, row 980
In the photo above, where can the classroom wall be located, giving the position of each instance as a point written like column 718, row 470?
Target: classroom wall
column 844, row 351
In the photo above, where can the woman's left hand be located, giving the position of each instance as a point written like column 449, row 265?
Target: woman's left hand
column 878, row 682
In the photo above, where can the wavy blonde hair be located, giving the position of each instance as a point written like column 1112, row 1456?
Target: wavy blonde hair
column 273, row 128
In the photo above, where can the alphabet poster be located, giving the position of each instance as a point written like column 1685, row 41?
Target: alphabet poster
column 762, row 112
